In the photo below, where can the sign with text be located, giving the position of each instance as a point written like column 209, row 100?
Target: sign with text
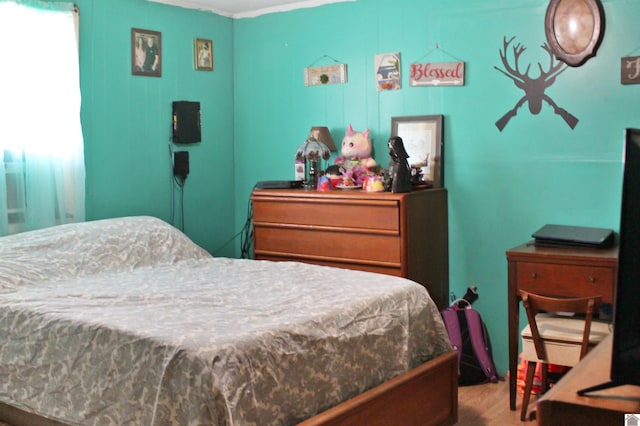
column 437, row 74
column 630, row 70
column 331, row 74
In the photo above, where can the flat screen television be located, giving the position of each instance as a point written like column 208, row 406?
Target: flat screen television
column 625, row 356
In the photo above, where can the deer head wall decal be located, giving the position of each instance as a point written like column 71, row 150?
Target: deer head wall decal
column 533, row 88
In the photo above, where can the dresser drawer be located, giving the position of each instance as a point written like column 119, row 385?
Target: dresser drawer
column 387, row 269
column 331, row 213
column 320, row 244
column 566, row 280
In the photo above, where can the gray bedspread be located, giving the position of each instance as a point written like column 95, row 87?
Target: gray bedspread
column 127, row 322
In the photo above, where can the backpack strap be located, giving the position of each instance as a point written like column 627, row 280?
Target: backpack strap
column 455, row 303
column 479, row 342
column 450, row 317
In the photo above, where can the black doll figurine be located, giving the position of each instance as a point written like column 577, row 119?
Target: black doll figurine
column 399, row 174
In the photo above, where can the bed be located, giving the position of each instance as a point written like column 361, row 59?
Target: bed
column 127, row 321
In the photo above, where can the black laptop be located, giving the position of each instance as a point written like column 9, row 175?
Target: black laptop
column 573, row 236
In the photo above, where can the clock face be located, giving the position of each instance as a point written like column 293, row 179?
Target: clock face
column 573, row 29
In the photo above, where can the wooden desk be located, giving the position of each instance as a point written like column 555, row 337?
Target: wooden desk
column 561, row 405
column 554, row 272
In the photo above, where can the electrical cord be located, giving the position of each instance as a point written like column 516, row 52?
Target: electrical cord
column 179, row 181
column 173, row 196
column 246, row 235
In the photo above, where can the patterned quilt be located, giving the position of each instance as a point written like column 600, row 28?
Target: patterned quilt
column 127, row 322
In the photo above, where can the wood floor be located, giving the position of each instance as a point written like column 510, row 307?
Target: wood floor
column 488, row 404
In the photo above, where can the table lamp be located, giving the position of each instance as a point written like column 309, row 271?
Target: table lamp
column 311, row 152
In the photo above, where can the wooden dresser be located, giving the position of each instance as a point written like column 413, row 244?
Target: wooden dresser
column 404, row 235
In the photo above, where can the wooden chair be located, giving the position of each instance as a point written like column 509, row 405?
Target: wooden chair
column 554, row 337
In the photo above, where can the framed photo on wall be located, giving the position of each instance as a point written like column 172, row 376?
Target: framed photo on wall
column 146, row 52
column 422, row 139
column 203, row 54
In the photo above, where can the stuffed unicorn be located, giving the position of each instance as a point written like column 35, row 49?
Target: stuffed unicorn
column 356, row 149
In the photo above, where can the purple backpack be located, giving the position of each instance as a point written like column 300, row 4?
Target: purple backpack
column 469, row 337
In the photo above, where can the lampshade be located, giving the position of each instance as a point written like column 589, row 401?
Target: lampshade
column 313, row 149
column 322, row 134
column 311, row 152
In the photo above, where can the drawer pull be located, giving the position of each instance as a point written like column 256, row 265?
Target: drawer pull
column 534, row 275
column 592, row 279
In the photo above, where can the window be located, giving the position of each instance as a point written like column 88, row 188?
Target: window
column 41, row 148
column 14, row 175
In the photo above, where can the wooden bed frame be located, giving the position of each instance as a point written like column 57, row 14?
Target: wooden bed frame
column 425, row 395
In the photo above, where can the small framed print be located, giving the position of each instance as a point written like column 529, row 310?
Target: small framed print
column 387, row 66
column 146, row 52
column 330, row 74
column 422, row 138
column 203, row 54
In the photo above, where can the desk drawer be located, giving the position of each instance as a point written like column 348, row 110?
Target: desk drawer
column 566, row 280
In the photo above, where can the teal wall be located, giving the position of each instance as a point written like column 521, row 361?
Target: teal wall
column 502, row 185
column 256, row 111
column 127, row 119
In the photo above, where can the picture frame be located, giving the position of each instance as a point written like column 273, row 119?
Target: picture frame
column 203, row 54
column 422, row 137
column 387, row 68
column 146, row 52
column 574, row 29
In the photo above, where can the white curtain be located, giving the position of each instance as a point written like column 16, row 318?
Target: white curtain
column 42, row 176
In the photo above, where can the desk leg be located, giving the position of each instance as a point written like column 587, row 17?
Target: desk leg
column 513, row 314
column 513, row 356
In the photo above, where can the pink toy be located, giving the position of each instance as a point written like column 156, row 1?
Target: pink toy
column 356, row 149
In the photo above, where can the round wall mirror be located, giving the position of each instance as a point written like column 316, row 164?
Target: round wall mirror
column 574, row 29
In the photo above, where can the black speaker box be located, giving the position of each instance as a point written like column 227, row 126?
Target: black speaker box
column 186, row 122
column 181, row 163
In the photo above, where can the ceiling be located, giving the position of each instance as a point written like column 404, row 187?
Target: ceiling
column 247, row 8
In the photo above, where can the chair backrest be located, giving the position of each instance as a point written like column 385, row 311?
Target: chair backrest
column 535, row 304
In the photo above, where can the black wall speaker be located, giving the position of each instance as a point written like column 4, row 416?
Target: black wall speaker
column 181, row 163
column 186, row 122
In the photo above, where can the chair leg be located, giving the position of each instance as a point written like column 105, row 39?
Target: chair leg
column 528, row 384
column 545, row 380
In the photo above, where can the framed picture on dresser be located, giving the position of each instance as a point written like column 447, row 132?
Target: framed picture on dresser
column 423, row 141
